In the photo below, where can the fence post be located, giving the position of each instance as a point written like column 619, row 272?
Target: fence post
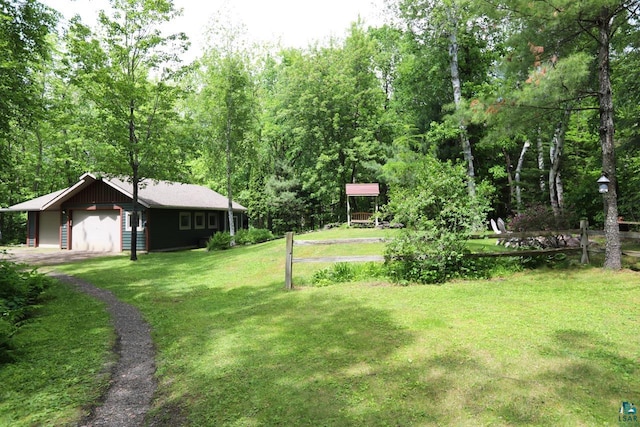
column 584, row 240
column 288, row 266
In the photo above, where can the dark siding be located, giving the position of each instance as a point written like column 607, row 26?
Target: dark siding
column 98, row 192
column 163, row 226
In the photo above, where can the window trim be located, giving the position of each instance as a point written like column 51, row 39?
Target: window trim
column 214, row 225
column 184, row 215
column 127, row 221
column 200, row 215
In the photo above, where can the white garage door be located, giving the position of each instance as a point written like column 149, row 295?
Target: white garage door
column 97, row 231
column 49, row 229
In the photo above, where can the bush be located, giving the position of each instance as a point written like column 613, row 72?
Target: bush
column 19, row 292
column 253, row 236
column 219, row 241
column 431, row 198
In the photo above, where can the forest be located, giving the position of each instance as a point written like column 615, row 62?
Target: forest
column 511, row 105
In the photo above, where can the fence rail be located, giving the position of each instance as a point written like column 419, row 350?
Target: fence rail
column 584, row 233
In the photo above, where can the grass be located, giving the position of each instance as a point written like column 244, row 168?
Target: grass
column 59, row 361
column 547, row 347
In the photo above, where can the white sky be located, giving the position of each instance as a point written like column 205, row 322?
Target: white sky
column 295, row 23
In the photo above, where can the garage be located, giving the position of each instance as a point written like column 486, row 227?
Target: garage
column 97, row 231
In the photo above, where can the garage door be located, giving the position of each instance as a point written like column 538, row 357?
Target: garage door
column 97, row 231
column 49, row 229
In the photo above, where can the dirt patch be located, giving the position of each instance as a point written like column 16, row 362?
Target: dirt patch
column 39, row 256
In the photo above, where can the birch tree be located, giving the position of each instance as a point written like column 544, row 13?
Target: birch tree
column 442, row 20
column 225, row 109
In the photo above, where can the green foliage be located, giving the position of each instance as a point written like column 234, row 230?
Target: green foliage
column 19, row 291
column 57, row 370
column 430, row 198
column 252, row 236
column 343, row 272
column 219, row 241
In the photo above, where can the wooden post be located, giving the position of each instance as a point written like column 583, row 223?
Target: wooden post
column 376, row 211
column 288, row 266
column 584, row 240
column 348, row 213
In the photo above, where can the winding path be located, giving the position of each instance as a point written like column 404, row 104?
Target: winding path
column 132, row 383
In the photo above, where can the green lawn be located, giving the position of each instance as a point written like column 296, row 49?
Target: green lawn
column 549, row 347
column 58, row 370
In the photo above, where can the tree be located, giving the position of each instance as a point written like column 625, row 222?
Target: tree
column 431, row 199
column 597, row 22
column 126, row 71
column 24, row 30
column 225, row 109
column 434, row 21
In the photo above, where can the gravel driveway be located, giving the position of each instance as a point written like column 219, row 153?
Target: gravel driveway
column 40, row 256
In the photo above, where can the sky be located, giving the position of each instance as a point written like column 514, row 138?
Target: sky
column 294, row 23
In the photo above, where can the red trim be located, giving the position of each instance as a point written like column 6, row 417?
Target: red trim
column 122, row 224
column 36, row 236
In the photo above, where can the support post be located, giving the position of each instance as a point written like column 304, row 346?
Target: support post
column 348, row 213
column 288, row 267
column 377, row 223
column 584, row 240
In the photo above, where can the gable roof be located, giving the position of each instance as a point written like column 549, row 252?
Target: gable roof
column 151, row 194
column 370, row 189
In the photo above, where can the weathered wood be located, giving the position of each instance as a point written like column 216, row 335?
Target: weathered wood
column 531, row 252
column 353, row 258
column 521, row 234
column 340, row 241
column 288, row 267
column 584, row 241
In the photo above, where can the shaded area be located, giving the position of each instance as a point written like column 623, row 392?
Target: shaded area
column 129, row 396
column 238, row 350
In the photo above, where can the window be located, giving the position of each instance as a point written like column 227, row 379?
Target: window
column 185, row 220
column 198, row 220
column 128, row 217
column 213, row 220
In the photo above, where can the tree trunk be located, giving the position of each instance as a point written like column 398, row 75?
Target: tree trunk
column 232, row 228
column 556, row 195
column 457, row 98
column 525, row 147
column 541, row 162
column 613, row 256
column 133, row 159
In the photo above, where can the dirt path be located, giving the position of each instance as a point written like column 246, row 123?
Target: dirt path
column 132, row 384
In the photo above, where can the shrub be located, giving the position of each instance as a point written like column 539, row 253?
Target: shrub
column 253, row 236
column 540, row 217
column 431, row 198
column 219, row 241
column 19, row 291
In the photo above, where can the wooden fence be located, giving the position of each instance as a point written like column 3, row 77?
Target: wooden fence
column 290, row 260
column 584, row 233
